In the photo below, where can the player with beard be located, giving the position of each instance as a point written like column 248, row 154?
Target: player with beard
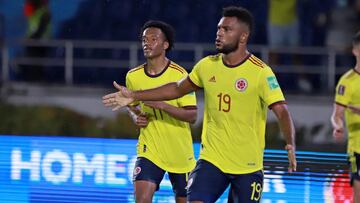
column 238, row 90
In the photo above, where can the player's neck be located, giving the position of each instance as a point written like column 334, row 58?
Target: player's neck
column 357, row 67
column 156, row 65
column 236, row 57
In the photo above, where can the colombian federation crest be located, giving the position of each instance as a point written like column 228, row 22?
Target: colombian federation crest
column 241, row 84
column 137, row 170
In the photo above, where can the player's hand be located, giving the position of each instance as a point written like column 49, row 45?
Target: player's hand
column 155, row 104
column 118, row 99
column 338, row 133
column 292, row 158
column 141, row 120
column 354, row 109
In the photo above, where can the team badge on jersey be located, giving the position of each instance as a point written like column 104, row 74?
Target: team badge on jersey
column 137, row 170
column 341, row 90
column 272, row 82
column 241, row 84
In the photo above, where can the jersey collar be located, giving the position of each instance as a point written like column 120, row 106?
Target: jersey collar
column 356, row 71
column 236, row 65
column 156, row 75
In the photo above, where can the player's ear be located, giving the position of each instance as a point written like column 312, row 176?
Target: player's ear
column 355, row 50
column 166, row 45
column 244, row 37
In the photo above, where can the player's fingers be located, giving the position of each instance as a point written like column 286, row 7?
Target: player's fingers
column 292, row 161
column 142, row 116
column 109, row 105
column 142, row 119
column 117, row 86
column 108, row 96
column 293, row 166
column 141, row 123
column 108, row 100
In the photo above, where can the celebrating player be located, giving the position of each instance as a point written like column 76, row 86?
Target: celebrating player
column 238, row 89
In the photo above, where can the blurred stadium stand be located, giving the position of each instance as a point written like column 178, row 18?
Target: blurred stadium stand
column 96, row 42
column 98, row 63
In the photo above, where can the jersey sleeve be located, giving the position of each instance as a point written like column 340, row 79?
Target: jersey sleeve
column 129, row 85
column 270, row 91
column 187, row 100
column 343, row 92
column 195, row 75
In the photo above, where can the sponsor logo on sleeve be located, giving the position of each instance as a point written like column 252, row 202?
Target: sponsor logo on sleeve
column 341, row 90
column 272, row 82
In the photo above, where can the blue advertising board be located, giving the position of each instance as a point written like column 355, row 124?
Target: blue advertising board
column 64, row 169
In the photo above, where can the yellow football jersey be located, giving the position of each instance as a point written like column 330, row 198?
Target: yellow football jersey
column 236, row 103
column 166, row 141
column 348, row 93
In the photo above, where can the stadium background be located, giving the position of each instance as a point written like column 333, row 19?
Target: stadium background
column 94, row 42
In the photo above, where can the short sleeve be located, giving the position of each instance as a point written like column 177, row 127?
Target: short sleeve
column 187, row 100
column 195, row 75
column 343, row 92
column 270, row 91
column 130, row 87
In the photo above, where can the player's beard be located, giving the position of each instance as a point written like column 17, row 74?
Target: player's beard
column 228, row 48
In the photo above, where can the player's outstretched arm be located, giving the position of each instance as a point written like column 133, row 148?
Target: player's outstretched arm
column 168, row 91
column 288, row 130
column 165, row 92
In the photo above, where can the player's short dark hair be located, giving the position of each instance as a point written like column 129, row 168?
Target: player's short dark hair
column 241, row 14
column 165, row 28
column 356, row 39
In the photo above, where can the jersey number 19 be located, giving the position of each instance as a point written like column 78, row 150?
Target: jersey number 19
column 224, row 102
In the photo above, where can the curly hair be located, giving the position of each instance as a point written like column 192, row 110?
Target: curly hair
column 165, row 28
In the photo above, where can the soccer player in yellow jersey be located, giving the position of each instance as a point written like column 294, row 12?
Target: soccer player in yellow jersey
column 165, row 142
column 347, row 107
column 238, row 89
